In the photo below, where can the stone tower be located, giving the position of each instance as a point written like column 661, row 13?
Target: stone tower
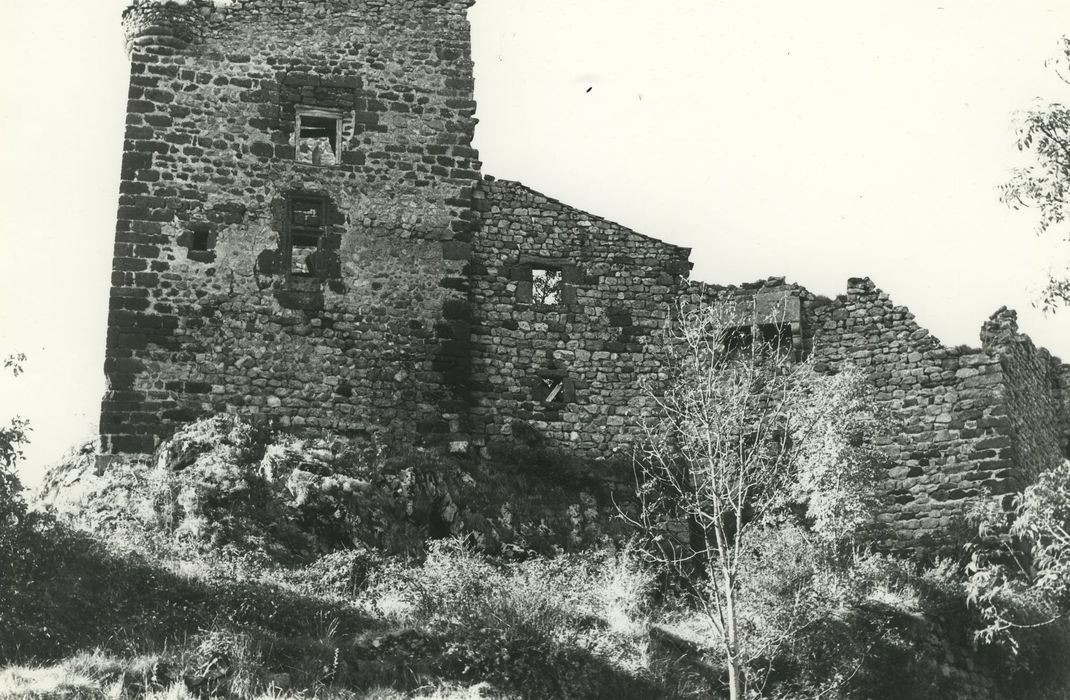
column 294, row 217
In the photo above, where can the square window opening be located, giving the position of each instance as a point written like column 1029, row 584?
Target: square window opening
column 550, row 390
column 546, row 286
column 318, row 138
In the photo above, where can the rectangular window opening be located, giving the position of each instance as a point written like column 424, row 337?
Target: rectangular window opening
column 199, row 239
column 772, row 337
column 307, row 226
column 546, row 286
column 318, row 140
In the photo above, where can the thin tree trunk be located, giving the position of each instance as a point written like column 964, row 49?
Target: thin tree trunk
column 735, row 675
column 731, row 630
column 734, row 684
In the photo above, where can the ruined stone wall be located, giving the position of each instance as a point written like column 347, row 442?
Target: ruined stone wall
column 1035, row 396
column 207, row 311
column 962, row 422
column 303, row 237
column 952, row 428
column 616, row 290
column 950, row 433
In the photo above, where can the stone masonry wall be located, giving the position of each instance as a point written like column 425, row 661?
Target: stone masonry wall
column 951, row 434
column 1035, row 396
column 206, row 313
column 963, row 422
column 304, row 237
column 617, row 289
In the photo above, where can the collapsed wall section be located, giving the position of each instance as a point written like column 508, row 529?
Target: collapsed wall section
column 293, row 175
column 953, row 428
column 948, row 437
column 962, row 423
column 565, row 308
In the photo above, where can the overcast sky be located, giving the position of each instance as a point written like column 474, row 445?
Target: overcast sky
column 816, row 140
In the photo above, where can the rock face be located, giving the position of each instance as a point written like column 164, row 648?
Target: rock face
column 305, row 239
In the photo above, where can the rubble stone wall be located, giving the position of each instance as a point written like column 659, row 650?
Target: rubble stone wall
column 617, row 290
column 1035, row 397
column 304, row 237
column 950, row 433
column 207, row 314
column 963, row 422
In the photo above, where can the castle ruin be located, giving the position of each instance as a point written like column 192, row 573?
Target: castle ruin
column 305, row 237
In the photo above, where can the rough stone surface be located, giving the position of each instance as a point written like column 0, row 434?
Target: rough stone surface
column 439, row 305
column 209, row 144
column 617, row 289
column 965, row 422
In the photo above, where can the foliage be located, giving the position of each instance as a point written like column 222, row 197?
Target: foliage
column 12, row 504
column 1020, row 570
column 835, row 461
column 14, row 435
column 568, row 503
column 240, row 545
column 570, row 626
column 1044, row 185
column 876, row 626
column 744, row 437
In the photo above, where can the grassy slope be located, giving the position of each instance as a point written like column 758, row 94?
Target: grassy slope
column 150, row 578
column 214, row 577
column 83, row 620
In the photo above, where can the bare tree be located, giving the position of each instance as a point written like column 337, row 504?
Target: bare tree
column 745, row 431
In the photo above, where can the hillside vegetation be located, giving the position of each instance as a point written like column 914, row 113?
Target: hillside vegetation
column 243, row 563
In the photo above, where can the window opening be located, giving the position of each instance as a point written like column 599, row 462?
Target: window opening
column 775, row 337
column 546, row 286
column 307, row 225
column 738, row 338
column 319, row 137
column 550, row 390
column 199, row 239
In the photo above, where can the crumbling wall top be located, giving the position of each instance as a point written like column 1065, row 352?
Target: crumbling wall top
column 178, row 24
column 311, row 8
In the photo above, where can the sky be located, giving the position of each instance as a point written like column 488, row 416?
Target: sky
column 816, row 140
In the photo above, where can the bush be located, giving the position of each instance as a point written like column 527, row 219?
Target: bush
column 12, row 505
column 545, row 627
column 1019, row 581
column 853, row 624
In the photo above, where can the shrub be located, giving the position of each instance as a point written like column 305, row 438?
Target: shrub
column 549, row 626
column 1019, row 581
column 12, row 504
column 344, row 573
